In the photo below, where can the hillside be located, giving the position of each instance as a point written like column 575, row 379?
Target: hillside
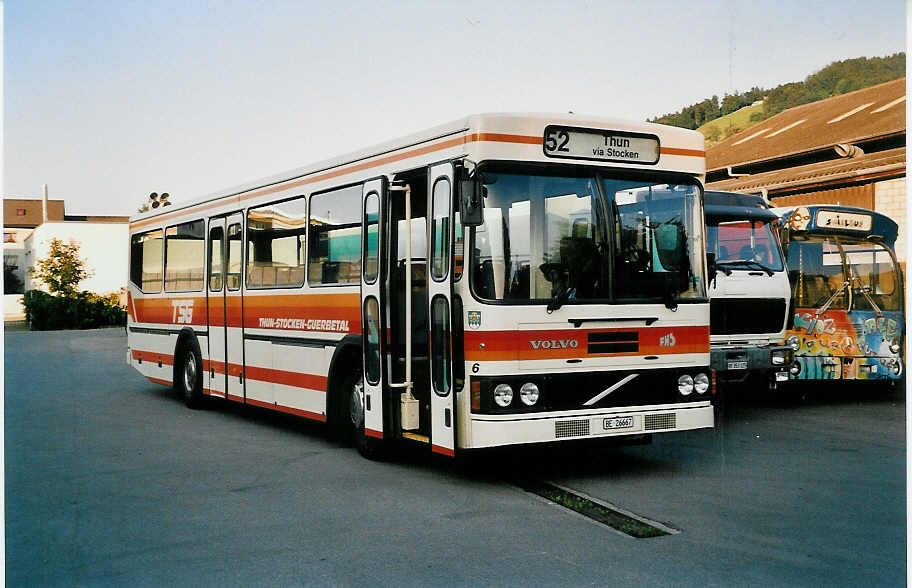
column 737, row 111
column 725, row 126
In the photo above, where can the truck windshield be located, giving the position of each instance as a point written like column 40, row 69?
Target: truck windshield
column 742, row 241
column 588, row 238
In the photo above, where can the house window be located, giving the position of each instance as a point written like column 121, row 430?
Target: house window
column 20, row 212
column 9, row 237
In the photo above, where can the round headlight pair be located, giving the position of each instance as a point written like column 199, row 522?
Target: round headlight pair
column 688, row 384
column 503, row 394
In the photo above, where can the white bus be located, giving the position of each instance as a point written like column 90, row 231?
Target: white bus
column 501, row 279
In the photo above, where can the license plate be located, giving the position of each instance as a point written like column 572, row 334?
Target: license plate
column 618, row 423
column 737, row 365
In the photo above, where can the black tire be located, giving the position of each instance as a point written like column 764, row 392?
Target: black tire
column 189, row 374
column 350, row 400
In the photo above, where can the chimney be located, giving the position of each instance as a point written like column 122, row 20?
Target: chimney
column 44, row 203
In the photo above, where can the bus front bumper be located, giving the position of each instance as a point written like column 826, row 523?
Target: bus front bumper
column 514, row 429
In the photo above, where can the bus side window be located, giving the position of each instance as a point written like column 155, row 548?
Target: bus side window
column 235, row 257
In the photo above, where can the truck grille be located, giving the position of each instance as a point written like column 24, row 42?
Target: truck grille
column 746, row 316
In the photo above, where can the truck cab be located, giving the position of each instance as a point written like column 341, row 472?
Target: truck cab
column 748, row 289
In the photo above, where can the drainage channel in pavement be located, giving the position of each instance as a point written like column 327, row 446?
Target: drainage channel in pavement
column 608, row 514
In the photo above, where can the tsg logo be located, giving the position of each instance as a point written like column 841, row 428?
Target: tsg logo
column 183, row 312
column 554, row 344
column 668, row 340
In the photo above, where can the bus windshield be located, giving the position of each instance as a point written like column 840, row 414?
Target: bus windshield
column 588, row 238
column 860, row 274
column 735, row 242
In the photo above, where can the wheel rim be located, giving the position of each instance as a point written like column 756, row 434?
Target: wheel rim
column 190, row 373
column 356, row 404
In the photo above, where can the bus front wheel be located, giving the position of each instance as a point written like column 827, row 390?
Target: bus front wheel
column 353, row 393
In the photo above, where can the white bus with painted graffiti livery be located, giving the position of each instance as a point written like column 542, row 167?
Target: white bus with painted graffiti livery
column 501, row 279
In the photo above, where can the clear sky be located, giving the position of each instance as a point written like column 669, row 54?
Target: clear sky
column 108, row 101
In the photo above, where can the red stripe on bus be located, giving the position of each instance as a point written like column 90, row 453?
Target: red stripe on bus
column 684, row 152
column 159, row 381
column 287, row 409
column 286, row 378
column 372, row 433
column 569, row 344
column 234, row 398
column 443, row 450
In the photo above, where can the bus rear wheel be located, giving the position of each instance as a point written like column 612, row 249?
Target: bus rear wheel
column 189, row 378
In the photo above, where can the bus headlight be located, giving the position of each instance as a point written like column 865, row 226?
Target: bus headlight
column 794, row 342
column 529, row 394
column 795, row 368
column 894, row 348
column 503, row 395
column 700, row 383
column 685, row 385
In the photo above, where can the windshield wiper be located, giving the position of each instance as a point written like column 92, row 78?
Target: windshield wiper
column 562, row 296
column 746, row 262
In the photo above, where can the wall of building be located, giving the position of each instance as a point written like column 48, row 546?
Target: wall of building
column 104, row 246
column 890, row 199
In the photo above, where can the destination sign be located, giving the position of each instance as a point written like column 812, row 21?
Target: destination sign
column 852, row 221
column 577, row 143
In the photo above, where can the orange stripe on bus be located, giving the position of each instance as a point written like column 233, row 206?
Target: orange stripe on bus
column 287, row 409
column 684, row 152
column 286, row 378
column 570, row 344
column 158, row 381
column 375, row 162
column 443, row 450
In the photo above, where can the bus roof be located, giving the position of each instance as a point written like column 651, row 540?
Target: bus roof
column 677, row 145
column 838, row 219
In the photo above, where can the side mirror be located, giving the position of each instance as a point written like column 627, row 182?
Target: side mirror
column 471, row 207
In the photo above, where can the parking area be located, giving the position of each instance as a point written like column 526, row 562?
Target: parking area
column 110, row 480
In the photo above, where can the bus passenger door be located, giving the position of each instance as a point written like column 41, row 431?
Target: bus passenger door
column 216, row 307
column 440, row 298
column 373, row 321
column 234, row 309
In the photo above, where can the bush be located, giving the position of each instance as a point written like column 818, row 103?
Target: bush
column 84, row 310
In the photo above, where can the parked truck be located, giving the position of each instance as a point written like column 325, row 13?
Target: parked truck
column 749, row 290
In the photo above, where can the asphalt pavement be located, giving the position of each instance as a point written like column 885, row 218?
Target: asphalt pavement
column 110, row 480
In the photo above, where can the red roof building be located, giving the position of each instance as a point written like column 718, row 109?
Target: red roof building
column 849, row 149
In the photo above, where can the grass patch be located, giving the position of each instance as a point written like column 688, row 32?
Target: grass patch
column 593, row 510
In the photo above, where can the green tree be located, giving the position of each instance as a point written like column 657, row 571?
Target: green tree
column 62, row 270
